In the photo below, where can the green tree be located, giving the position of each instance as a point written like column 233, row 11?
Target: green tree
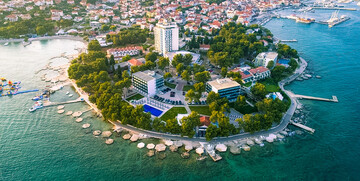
column 159, row 125
column 277, row 72
column 187, row 59
column 199, row 87
column 212, row 97
column 167, row 75
column 112, row 60
column 163, row 63
column 202, row 76
column 151, row 56
column 270, row 65
column 126, row 58
column 185, row 75
column 173, row 127
column 189, row 124
column 40, row 30
column 190, row 95
column 94, row 46
column 224, row 71
column 211, row 132
column 179, row 68
column 258, row 90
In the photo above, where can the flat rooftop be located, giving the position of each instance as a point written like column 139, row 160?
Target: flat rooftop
column 147, row 75
column 223, row 83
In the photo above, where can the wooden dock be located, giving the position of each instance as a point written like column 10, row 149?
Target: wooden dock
column 334, row 98
column 303, row 127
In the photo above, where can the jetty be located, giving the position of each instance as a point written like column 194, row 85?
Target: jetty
column 334, row 98
column 335, row 8
column 211, row 152
column 303, row 127
column 48, row 103
column 293, row 40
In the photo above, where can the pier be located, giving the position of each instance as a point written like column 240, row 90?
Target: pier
column 293, row 40
column 212, row 154
column 303, row 127
column 335, row 8
column 48, row 104
column 334, row 98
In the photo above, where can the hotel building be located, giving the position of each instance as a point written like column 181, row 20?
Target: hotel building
column 166, row 37
column 147, row 82
column 225, row 87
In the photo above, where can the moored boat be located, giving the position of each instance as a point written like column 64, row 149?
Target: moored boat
column 6, row 44
column 37, row 105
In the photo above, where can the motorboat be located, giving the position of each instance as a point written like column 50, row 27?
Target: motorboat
column 6, row 44
column 37, row 98
column 70, row 95
column 67, row 93
column 37, row 105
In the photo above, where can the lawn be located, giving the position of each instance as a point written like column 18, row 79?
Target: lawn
column 135, row 97
column 201, row 110
column 270, row 85
column 168, row 84
column 248, row 84
column 173, row 112
column 247, row 109
column 188, row 87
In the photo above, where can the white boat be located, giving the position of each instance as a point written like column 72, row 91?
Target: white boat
column 67, row 93
column 37, row 105
column 358, row 3
column 70, row 95
column 6, row 44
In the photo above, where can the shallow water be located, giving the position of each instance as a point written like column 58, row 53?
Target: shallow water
column 47, row 146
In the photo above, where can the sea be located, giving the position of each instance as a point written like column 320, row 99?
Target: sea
column 45, row 145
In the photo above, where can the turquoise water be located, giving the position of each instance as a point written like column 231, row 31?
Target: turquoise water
column 47, row 146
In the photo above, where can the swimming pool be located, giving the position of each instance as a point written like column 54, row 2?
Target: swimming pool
column 152, row 110
column 284, row 61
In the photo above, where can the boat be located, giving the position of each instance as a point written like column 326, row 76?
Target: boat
column 67, row 93
column 6, row 44
column 305, row 20
column 37, row 105
column 70, row 95
column 358, row 3
column 2, row 79
column 37, row 98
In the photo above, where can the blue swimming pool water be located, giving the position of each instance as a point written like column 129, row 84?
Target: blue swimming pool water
column 283, row 61
column 152, row 110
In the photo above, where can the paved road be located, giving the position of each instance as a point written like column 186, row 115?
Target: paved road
column 284, row 121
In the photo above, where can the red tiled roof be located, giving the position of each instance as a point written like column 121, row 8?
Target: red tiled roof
column 244, row 76
column 135, row 62
column 205, row 120
column 258, row 70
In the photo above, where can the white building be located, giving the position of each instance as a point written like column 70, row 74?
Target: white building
column 147, row 82
column 225, row 87
column 166, row 37
column 262, row 59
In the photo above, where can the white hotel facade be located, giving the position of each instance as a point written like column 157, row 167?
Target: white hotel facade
column 166, row 37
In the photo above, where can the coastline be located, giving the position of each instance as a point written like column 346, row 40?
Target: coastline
column 67, row 37
column 242, row 136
